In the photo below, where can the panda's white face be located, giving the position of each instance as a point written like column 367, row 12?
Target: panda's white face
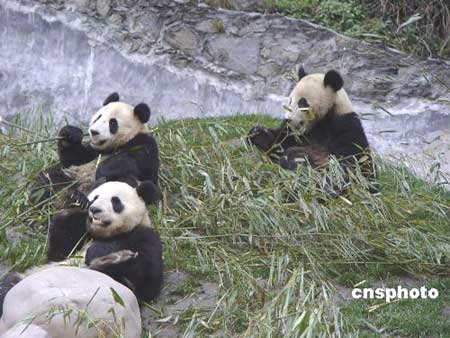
column 113, row 126
column 115, row 208
column 311, row 100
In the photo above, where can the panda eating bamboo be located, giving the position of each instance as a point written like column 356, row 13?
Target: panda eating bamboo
column 319, row 123
column 119, row 149
column 125, row 248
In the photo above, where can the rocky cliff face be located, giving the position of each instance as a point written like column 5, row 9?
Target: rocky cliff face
column 186, row 60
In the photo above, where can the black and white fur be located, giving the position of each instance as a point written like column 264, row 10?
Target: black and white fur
column 320, row 122
column 119, row 149
column 124, row 246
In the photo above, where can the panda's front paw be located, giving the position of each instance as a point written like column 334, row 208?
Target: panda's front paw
column 257, row 130
column 80, row 199
column 260, row 137
column 113, row 258
column 70, row 135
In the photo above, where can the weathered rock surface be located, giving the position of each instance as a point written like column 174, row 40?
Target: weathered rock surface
column 186, row 60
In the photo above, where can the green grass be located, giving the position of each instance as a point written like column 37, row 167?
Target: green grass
column 379, row 21
column 272, row 239
column 406, row 318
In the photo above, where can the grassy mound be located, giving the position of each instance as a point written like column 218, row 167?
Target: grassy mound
column 280, row 251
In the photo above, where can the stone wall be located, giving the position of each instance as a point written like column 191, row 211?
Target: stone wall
column 194, row 60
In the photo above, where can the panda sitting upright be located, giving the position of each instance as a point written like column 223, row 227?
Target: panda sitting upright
column 320, row 122
column 120, row 149
column 124, row 246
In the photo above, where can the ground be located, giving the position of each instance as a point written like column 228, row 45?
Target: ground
column 252, row 250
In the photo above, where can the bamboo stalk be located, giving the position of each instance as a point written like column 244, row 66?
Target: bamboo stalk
column 51, row 139
column 17, row 126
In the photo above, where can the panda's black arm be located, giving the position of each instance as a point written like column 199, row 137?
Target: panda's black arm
column 265, row 139
column 147, row 273
column 275, row 142
column 76, row 154
column 66, row 233
column 71, row 150
column 145, row 153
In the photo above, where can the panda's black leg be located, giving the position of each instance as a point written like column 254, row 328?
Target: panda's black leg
column 47, row 183
column 67, row 233
column 6, row 284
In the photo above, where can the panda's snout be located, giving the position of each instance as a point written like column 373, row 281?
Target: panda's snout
column 94, row 210
column 94, row 132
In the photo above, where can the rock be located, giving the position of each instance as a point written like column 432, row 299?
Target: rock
column 207, row 26
column 148, row 26
column 103, row 7
column 86, row 294
column 115, row 19
column 268, row 69
column 184, row 39
column 238, row 54
column 249, row 5
column 31, row 331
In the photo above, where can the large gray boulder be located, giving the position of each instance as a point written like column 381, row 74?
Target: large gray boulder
column 70, row 302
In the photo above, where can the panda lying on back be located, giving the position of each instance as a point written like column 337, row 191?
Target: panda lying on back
column 320, row 107
column 120, row 149
column 124, row 245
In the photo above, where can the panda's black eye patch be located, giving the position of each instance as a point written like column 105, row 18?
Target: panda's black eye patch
column 117, row 204
column 98, row 117
column 113, row 126
column 303, row 103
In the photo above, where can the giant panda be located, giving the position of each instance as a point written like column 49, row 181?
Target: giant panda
column 124, row 246
column 319, row 122
column 119, row 149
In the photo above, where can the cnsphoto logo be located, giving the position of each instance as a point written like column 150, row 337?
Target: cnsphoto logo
column 399, row 292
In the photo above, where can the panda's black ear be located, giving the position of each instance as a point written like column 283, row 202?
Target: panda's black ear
column 142, row 111
column 114, row 97
column 149, row 192
column 301, row 73
column 334, row 80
